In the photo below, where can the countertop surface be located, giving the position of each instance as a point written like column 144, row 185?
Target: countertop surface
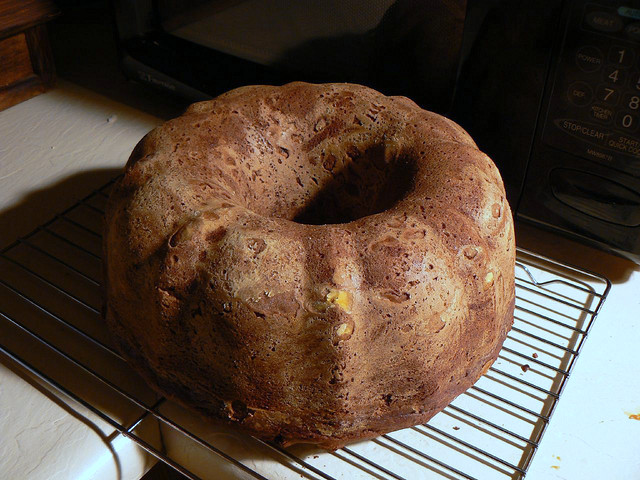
column 58, row 147
column 54, row 150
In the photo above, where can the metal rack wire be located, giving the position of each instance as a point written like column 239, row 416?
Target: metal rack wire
column 50, row 302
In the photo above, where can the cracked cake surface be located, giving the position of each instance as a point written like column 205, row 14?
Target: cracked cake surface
column 313, row 263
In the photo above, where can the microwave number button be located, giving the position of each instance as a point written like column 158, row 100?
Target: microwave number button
column 607, row 94
column 631, row 101
column 627, row 121
column 580, row 93
column 589, row 58
column 634, row 82
column 614, row 75
column 621, row 56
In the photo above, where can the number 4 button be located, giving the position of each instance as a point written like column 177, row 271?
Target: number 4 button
column 613, row 74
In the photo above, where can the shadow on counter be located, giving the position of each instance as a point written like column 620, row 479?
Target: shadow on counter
column 39, row 206
column 616, row 269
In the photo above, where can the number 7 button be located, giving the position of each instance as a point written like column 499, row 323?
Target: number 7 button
column 607, row 94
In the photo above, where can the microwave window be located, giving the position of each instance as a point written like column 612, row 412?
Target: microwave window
column 401, row 47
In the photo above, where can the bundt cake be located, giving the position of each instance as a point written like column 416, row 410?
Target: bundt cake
column 314, row 263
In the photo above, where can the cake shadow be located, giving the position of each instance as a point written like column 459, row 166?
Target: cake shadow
column 40, row 205
column 207, row 446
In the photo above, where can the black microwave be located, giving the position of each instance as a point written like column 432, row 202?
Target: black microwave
column 549, row 89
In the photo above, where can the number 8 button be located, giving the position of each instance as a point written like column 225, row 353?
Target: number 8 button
column 631, row 101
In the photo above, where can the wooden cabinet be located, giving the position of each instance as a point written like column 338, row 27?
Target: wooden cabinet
column 26, row 62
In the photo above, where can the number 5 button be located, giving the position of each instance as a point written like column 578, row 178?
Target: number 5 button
column 607, row 94
column 635, row 81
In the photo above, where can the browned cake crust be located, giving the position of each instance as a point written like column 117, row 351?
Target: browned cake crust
column 315, row 263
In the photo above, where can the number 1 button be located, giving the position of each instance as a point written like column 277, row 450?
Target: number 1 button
column 621, row 56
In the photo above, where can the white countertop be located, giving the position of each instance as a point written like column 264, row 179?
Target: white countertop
column 58, row 147
column 54, row 150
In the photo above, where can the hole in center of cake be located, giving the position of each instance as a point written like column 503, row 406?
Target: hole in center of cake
column 366, row 184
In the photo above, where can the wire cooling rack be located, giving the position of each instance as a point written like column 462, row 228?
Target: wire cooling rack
column 50, row 324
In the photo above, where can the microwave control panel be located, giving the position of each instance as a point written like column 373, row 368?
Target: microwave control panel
column 594, row 110
column 583, row 175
